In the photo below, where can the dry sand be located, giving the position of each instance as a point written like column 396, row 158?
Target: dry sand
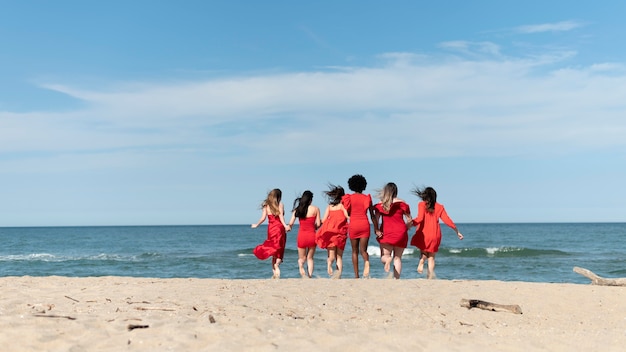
column 94, row 314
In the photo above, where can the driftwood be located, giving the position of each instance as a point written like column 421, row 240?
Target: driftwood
column 132, row 327
column 598, row 280
column 494, row 307
column 55, row 316
column 155, row 308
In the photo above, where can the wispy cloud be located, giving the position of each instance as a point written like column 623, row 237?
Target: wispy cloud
column 441, row 106
column 549, row 27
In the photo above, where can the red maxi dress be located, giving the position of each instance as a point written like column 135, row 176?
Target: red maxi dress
column 428, row 234
column 274, row 245
column 306, row 232
column 358, row 205
column 334, row 231
column 393, row 227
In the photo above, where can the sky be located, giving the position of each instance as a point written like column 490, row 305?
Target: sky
column 189, row 112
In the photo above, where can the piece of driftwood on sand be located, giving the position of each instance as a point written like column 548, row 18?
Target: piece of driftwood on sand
column 598, row 280
column 476, row 303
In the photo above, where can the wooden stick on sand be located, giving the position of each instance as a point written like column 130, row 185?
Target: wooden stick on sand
column 598, row 280
column 494, row 307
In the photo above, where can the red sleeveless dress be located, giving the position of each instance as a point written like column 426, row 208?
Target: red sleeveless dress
column 274, row 245
column 306, row 232
column 334, row 231
column 358, row 205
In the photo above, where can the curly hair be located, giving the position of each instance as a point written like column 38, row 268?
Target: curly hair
column 357, row 183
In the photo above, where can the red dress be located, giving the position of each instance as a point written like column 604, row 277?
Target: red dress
column 358, row 205
column 274, row 245
column 306, row 232
column 428, row 234
column 333, row 232
column 393, row 227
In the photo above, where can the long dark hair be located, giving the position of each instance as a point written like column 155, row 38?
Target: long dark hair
column 335, row 194
column 428, row 195
column 301, row 204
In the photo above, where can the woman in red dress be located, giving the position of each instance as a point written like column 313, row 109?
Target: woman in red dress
column 274, row 245
column 309, row 219
column 359, row 205
column 333, row 233
column 428, row 231
column 392, row 234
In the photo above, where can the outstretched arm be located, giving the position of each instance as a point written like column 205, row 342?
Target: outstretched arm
column 263, row 217
column 446, row 220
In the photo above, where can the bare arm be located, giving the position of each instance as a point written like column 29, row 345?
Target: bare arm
column 318, row 220
column 326, row 214
column 281, row 215
column 263, row 217
column 292, row 220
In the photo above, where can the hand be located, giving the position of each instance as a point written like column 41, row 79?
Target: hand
column 460, row 235
column 379, row 233
column 254, row 226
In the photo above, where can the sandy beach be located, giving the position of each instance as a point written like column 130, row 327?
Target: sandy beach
column 143, row 314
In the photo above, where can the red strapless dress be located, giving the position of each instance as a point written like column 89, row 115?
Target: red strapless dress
column 306, row 232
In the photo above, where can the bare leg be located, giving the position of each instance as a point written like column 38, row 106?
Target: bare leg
column 366, row 257
column 275, row 267
column 431, row 266
column 397, row 261
column 339, row 264
column 385, row 256
column 301, row 260
column 420, row 266
column 355, row 256
column 332, row 255
column 309, row 260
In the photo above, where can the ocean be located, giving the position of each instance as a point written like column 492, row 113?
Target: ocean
column 533, row 252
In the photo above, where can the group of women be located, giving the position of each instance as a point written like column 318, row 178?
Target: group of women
column 348, row 216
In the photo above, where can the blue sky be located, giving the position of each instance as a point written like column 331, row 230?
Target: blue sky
column 189, row 112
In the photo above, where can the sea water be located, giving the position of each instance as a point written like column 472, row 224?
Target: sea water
column 508, row 252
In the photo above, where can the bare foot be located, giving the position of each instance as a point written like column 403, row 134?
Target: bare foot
column 431, row 275
column 276, row 272
column 420, row 266
column 366, row 270
column 330, row 268
column 302, row 272
column 387, row 265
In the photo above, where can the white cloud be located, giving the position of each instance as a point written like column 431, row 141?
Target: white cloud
column 442, row 106
column 549, row 27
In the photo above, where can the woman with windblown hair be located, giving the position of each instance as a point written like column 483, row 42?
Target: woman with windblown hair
column 428, row 231
column 274, row 245
column 308, row 216
column 392, row 235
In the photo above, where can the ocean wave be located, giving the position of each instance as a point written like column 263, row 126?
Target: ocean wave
column 502, row 252
column 47, row 257
column 375, row 251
